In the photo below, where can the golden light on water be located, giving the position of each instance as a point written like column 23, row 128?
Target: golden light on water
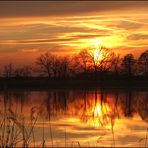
column 98, row 114
column 101, row 115
column 100, row 110
column 97, row 110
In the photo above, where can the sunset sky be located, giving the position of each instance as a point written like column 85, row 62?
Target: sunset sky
column 28, row 29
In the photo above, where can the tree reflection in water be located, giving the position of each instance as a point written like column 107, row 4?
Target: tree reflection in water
column 97, row 108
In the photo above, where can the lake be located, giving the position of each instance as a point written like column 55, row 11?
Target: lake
column 74, row 118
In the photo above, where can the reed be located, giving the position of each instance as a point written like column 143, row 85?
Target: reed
column 146, row 137
column 14, row 131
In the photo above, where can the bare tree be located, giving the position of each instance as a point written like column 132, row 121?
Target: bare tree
column 8, row 71
column 74, row 66
column 45, row 63
column 18, row 72
column 101, row 59
column 84, row 60
column 115, row 64
column 93, row 61
column 55, row 66
column 128, row 63
column 25, row 71
column 143, row 62
column 64, row 67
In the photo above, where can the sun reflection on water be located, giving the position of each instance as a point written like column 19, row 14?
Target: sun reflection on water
column 99, row 114
column 94, row 117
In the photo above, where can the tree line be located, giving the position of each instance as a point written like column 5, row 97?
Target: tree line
column 88, row 63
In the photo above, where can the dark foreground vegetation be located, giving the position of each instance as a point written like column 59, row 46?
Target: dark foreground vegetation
column 89, row 68
column 45, row 83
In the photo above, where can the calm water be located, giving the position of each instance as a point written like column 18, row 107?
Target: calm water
column 74, row 118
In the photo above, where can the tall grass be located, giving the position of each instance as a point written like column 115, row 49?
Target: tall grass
column 146, row 137
column 14, row 131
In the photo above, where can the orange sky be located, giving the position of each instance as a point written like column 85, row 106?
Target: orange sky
column 28, row 29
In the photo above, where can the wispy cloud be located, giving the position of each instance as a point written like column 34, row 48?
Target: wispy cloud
column 138, row 37
column 57, row 8
column 66, row 27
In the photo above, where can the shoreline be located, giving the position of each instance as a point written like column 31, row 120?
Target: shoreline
column 44, row 83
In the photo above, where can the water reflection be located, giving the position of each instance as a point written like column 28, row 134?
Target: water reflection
column 74, row 117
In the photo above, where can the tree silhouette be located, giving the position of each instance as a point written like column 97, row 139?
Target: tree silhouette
column 75, row 67
column 8, row 71
column 64, row 67
column 143, row 62
column 45, row 63
column 55, row 64
column 128, row 64
column 25, row 71
column 84, row 60
column 116, row 64
column 92, row 63
column 101, row 62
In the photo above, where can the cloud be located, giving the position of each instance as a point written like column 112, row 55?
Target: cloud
column 18, row 48
column 127, row 25
column 30, row 50
column 138, row 37
column 72, row 38
column 58, row 27
column 35, row 31
column 57, row 8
